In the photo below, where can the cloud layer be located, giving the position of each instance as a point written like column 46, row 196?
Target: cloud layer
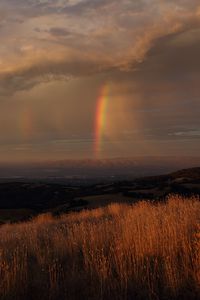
column 55, row 56
column 41, row 40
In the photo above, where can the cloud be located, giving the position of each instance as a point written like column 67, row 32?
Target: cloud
column 47, row 39
column 58, row 31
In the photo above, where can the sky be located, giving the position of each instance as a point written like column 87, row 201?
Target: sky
column 99, row 79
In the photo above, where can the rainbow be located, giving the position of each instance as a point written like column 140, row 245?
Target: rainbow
column 100, row 118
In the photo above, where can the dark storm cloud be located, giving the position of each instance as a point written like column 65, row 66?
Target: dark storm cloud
column 166, row 85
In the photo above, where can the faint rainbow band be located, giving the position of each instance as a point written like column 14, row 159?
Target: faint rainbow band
column 101, row 118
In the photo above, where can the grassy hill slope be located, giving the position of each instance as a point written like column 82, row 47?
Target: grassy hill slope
column 144, row 251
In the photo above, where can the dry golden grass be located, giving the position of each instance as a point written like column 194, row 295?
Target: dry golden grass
column 144, row 251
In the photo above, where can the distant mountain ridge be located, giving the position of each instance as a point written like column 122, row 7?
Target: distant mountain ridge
column 116, row 168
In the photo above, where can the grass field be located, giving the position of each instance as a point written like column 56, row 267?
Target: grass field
column 143, row 251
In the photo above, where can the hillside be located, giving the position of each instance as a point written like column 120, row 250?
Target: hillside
column 142, row 252
column 36, row 196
